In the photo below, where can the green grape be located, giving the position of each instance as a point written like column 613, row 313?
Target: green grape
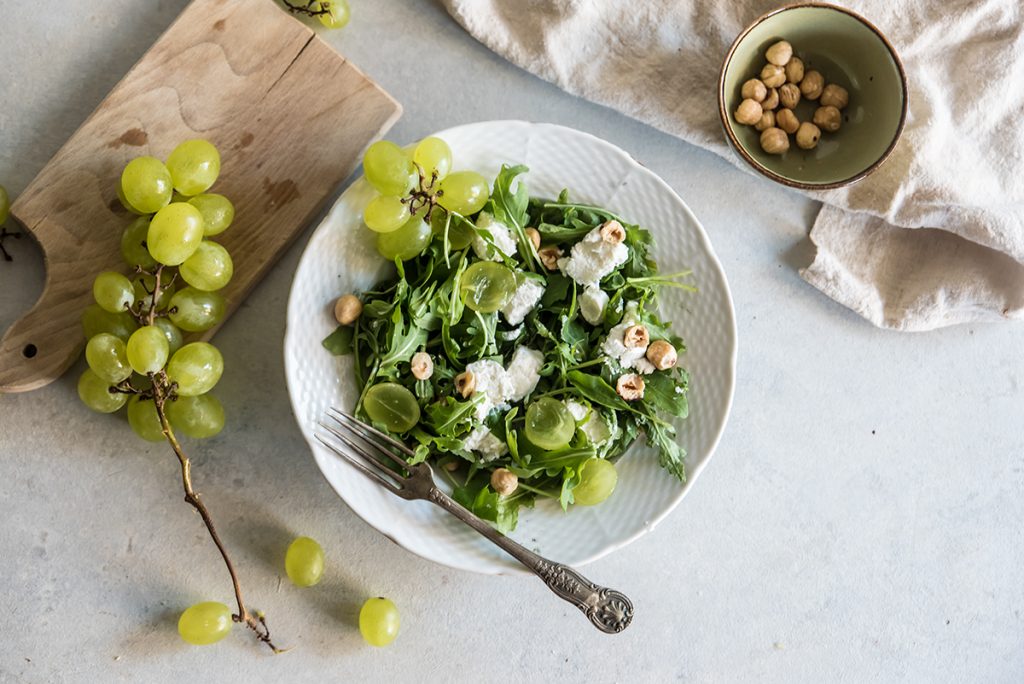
column 464, row 192
column 205, row 623
column 197, row 417
column 95, row 393
column 95, row 321
column 146, row 185
column 486, row 286
column 433, row 156
column 5, row 205
column 460, row 233
column 175, row 233
column 217, row 210
column 171, row 332
column 392, row 406
column 196, row 368
column 597, row 482
column 193, row 310
column 133, row 244
column 339, row 13
column 549, row 423
column 384, row 214
column 379, row 621
column 113, row 292
column 408, row 241
column 388, row 169
column 143, row 285
column 209, row 268
column 147, row 350
column 304, row 562
column 124, row 202
column 107, row 357
column 194, row 166
column 144, row 420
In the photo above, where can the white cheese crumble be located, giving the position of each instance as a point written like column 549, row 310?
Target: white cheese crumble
column 592, row 258
column 485, row 443
column 579, row 411
column 523, row 301
column 590, row 422
column 500, row 234
column 628, row 357
column 592, row 303
column 500, row 386
column 524, row 372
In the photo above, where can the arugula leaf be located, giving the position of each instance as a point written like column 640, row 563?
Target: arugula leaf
column 449, row 417
column 670, row 454
column 597, row 390
column 571, row 479
column 403, row 341
column 510, row 208
column 662, row 393
column 339, row 342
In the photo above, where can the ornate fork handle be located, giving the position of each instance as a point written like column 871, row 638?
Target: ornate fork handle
column 609, row 610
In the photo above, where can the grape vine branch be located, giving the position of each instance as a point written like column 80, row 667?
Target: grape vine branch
column 4, row 234
column 307, row 9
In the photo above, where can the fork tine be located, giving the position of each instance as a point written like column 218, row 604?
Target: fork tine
column 371, row 431
column 358, row 464
column 360, row 450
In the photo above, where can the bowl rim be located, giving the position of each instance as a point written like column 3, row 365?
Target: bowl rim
column 754, row 163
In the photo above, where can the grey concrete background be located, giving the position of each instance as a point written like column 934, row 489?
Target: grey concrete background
column 860, row 522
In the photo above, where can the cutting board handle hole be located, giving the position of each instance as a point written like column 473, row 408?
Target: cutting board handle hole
column 29, row 351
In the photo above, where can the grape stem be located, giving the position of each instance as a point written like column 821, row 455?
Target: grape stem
column 306, row 9
column 425, row 195
column 4, row 234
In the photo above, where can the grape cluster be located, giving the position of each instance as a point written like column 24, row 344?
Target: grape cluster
column 135, row 351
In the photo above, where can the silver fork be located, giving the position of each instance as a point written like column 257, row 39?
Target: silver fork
column 373, row 453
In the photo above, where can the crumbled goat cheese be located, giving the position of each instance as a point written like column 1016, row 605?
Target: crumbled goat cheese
column 592, row 259
column 500, row 234
column 524, row 372
column 592, row 303
column 522, row 302
column 500, row 386
column 590, row 422
column 628, row 357
column 484, row 443
column 578, row 410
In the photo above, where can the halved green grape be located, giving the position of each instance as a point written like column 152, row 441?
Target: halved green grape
column 171, row 332
column 598, row 478
column 486, row 286
column 143, row 285
column 146, row 185
column 205, row 623
column 95, row 321
column 209, row 268
column 113, row 292
column 392, row 405
column 379, row 621
column 193, row 310
column 196, row 368
column 143, row 419
column 5, row 205
column 388, row 169
column 108, row 358
column 384, row 214
column 433, row 156
column 133, row 244
column 549, row 423
column 147, row 350
column 175, row 233
column 217, row 210
column 194, row 166
column 196, row 417
column 464, row 192
column 338, row 16
column 95, row 393
column 408, row 241
column 304, row 562
column 460, row 233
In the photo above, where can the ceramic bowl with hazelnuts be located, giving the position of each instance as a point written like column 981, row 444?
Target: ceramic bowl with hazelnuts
column 813, row 96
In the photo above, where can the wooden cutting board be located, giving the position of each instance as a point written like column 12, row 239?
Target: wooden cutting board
column 290, row 116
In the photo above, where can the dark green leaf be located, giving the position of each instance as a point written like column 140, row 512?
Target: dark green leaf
column 339, row 342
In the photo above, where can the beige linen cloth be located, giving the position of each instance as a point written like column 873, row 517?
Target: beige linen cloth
column 933, row 238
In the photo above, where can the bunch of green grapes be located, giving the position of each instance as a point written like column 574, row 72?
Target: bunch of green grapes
column 135, row 329
column 411, row 183
column 333, row 14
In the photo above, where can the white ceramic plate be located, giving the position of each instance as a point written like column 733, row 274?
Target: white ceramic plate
column 341, row 258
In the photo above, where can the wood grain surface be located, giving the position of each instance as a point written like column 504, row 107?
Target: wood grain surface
column 290, row 117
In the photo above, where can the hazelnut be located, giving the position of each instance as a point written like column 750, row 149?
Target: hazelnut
column 753, row 90
column 789, row 95
column 771, row 100
column 662, row 354
column 504, row 481
column 749, row 112
column 635, row 336
column 795, row 70
column 630, row 387
column 787, row 121
column 422, row 365
column 774, row 140
column 828, row 118
column 549, row 256
column 465, row 384
column 451, row 466
column 779, row 53
column 773, row 75
column 807, row 136
column 347, row 309
column 812, row 85
column 534, row 236
column 835, row 96
column 767, row 121
column 612, row 232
